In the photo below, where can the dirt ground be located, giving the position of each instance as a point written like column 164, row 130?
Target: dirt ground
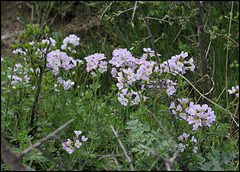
column 11, row 25
column 14, row 13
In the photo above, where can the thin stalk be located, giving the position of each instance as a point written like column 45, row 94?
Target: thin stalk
column 149, row 33
column 230, row 22
column 9, row 87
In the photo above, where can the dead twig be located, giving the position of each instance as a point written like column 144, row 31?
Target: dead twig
column 30, row 148
column 7, row 36
column 149, row 33
column 168, row 162
column 32, row 8
column 106, row 10
column 160, row 124
column 51, row 158
column 180, row 31
column 185, row 4
column 190, row 40
column 109, row 156
column 123, row 148
column 116, row 162
column 134, row 10
column 228, row 37
column 121, row 12
column 154, row 18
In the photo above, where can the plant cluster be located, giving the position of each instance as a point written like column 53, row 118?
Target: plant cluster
column 47, row 88
column 68, row 145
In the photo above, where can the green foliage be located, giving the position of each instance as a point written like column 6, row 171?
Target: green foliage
column 94, row 100
column 156, row 140
column 214, row 160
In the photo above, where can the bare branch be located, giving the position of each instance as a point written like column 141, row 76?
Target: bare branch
column 154, row 18
column 51, row 158
column 185, row 4
column 170, row 138
column 122, row 12
column 106, row 10
column 107, row 156
column 10, row 158
column 209, row 44
column 190, row 40
column 116, row 162
column 149, row 33
column 135, row 7
column 169, row 162
column 228, row 37
column 179, row 31
column 30, row 148
column 123, row 148
column 184, row 17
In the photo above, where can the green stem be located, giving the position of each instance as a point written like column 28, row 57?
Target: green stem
column 88, row 153
column 9, row 87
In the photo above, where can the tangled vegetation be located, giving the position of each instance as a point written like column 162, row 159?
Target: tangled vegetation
column 154, row 87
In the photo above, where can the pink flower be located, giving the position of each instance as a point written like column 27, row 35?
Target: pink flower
column 70, row 149
column 65, row 145
column 193, row 139
column 172, row 105
column 170, row 90
column 93, row 74
column 179, row 108
column 123, row 100
column 78, row 133
column 78, row 144
column 195, row 149
column 68, row 142
column 181, row 147
column 84, row 138
column 183, row 116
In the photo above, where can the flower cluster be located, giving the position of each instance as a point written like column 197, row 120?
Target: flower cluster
column 66, row 84
column 58, row 59
column 177, row 64
column 39, row 51
column 15, row 78
column 150, row 52
column 166, row 84
column 185, row 142
column 96, row 61
column 129, row 70
column 69, row 144
column 195, row 115
column 234, row 90
column 48, row 42
column 18, row 50
column 173, row 66
column 71, row 39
